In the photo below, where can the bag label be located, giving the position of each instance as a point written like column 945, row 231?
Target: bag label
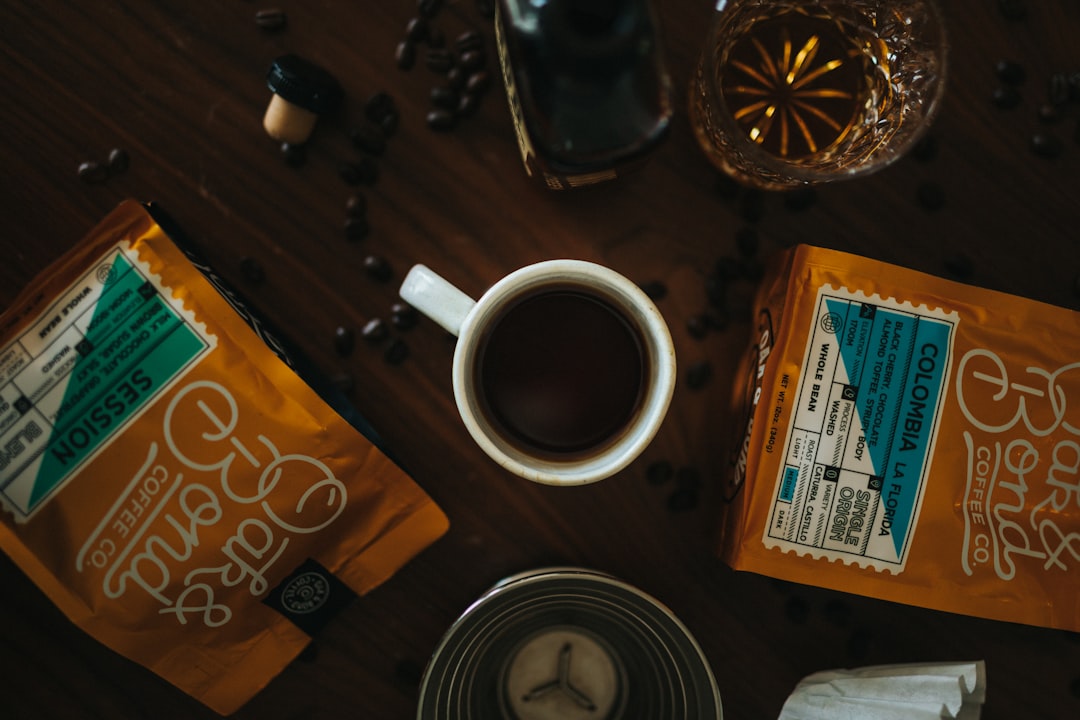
column 83, row 371
column 866, row 415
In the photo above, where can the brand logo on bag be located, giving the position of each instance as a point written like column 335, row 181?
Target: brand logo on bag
column 306, row 593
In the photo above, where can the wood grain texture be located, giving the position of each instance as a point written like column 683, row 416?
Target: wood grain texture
column 180, row 86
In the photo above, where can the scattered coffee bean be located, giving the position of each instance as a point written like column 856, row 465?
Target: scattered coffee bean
column 252, row 270
column 467, row 105
column 403, row 316
column 271, row 19
column 960, row 266
column 931, row 196
column 682, row 500
column 1010, row 72
column 472, row 60
column 456, row 77
column 469, row 40
column 343, row 382
column 436, row 38
column 925, row 149
column 718, row 319
column 1006, row 97
column 356, row 205
column 118, row 161
column 356, row 228
column 445, row 96
column 796, row 609
column 416, row 30
column 440, row 119
column 727, row 268
column 93, row 172
column 1012, row 9
column 396, row 352
column 751, row 270
column 1049, row 113
column 478, row 82
column 377, row 268
column 369, row 138
column 1058, row 91
column 698, row 326
column 1046, row 145
column 654, row 289
column 659, row 472
column 379, row 106
column 344, row 341
column 429, row 8
column 405, row 55
column 716, row 290
column 800, row 198
column 363, row 171
column 486, row 8
column 294, row 154
column 698, row 375
column 389, row 123
column 375, row 330
column 439, row 60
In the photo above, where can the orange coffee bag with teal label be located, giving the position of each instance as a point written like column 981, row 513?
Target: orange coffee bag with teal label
column 910, row 438
column 171, row 483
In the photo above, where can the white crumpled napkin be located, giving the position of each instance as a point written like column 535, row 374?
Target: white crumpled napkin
column 891, row 692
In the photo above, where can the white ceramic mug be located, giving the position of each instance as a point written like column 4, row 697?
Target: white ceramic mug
column 544, row 292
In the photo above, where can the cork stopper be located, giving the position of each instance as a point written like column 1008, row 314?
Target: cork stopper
column 302, row 92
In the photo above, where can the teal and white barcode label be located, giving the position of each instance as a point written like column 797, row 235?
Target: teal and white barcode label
column 867, row 409
column 90, row 363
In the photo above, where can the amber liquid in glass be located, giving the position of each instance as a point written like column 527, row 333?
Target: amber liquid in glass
column 797, row 84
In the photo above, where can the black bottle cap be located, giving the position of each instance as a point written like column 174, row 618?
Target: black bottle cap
column 305, row 84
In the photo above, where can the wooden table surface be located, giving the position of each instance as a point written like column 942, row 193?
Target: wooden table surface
column 180, row 87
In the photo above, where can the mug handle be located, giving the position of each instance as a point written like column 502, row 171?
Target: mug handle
column 429, row 293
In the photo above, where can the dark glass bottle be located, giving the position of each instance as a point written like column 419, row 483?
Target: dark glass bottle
column 587, row 85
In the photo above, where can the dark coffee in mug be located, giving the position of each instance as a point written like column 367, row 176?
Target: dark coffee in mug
column 561, row 371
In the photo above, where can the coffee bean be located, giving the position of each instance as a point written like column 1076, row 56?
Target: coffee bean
column 456, row 77
column 416, row 30
column 436, row 38
column 1012, row 9
column 718, row 319
column 439, row 60
column 440, row 119
column 654, row 289
column 1010, row 72
column 377, row 268
column 369, row 138
column 363, row 171
column 403, row 316
column 716, row 290
column 931, row 196
column 375, row 330
column 682, row 500
column 960, row 266
column 93, row 172
column 445, row 96
column 379, row 106
column 356, row 205
column 1045, row 145
column 1058, row 91
column 1006, row 97
column 659, row 472
column 405, row 55
column 428, row 8
column 472, row 59
column 356, row 229
column 698, row 375
column 698, row 326
column 389, row 123
column 486, row 8
column 294, row 154
column 397, row 352
column 118, row 161
column 344, row 341
column 252, row 270
column 1049, row 113
column 727, row 268
column 751, row 270
column 271, row 19
column 467, row 105
column 478, row 82
column 469, row 40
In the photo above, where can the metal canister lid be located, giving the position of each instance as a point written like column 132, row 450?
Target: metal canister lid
column 568, row 643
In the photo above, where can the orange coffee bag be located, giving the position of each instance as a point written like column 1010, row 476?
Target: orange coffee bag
column 171, row 482
column 912, row 439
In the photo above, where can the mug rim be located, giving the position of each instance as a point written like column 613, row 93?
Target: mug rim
column 630, row 301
